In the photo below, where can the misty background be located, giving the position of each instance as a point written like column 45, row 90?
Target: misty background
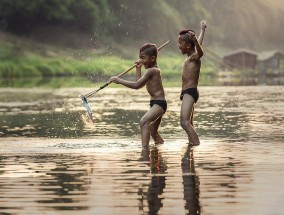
column 51, row 29
column 255, row 24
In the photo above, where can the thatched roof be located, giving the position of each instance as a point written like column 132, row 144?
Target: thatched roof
column 269, row 54
column 242, row 50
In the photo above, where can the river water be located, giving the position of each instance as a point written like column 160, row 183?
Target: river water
column 52, row 161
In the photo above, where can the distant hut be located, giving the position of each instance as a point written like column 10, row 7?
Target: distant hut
column 241, row 58
column 271, row 63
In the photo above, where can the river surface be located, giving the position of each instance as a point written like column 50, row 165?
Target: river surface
column 53, row 161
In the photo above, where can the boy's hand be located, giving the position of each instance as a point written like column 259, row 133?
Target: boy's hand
column 203, row 24
column 114, row 79
column 138, row 64
column 191, row 34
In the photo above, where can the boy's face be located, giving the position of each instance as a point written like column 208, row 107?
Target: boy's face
column 147, row 60
column 182, row 44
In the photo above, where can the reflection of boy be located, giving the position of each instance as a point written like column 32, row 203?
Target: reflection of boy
column 189, row 45
column 190, row 182
column 154, row 159
column 150, row 122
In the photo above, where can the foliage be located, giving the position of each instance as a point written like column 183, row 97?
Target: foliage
column 22, row 16
column 231, row 24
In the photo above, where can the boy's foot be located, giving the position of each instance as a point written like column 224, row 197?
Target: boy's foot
column 145, row 153
column 193, row 144
column 159, row 142
column 145, row 147
column 158, row 139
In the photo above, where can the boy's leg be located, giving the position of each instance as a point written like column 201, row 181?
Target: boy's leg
column 191, row 117
column 145, row 153
column 186, row 111
column 154, row 131
column 151, row 116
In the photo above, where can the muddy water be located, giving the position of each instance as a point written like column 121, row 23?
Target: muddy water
column 53, row 162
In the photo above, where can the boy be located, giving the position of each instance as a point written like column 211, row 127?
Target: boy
column 189, row 45
column 150, row 122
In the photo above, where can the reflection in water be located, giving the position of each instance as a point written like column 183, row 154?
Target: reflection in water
column 98, row 170
column 60, row 82
column 158, row 180
column 93, row 177
column 235, row 114
column 190, row 183
column 251, row 81
column 66, row 180
column 229, row 125
column 47, row 182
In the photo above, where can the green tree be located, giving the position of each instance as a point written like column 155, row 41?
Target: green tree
column 22, row 16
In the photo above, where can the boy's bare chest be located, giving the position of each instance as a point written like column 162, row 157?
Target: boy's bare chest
column 190, row 68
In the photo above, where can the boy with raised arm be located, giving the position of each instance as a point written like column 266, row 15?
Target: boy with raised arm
column 150, row 122
column 190, row 45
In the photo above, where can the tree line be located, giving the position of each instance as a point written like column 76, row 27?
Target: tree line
column 232, row 23
column 119, row 19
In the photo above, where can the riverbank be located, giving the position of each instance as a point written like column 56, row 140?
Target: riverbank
column 24, row 58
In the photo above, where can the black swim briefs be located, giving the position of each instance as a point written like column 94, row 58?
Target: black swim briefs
column 191, row 91
column 161, row 103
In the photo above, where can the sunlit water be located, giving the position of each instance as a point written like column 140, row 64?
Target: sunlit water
column 52, row 162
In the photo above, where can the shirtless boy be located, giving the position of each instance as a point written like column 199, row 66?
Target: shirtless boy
column 190, row 45
column 150, row 122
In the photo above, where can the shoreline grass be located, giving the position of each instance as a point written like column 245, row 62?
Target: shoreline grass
column 22, row 59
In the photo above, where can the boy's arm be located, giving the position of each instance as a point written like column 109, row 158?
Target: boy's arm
column 133, row 85
column 202, row 32
column 199, row 51
column 138, row 70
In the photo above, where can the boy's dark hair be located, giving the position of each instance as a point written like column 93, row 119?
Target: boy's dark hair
column 186, row 37
column 149, row 49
